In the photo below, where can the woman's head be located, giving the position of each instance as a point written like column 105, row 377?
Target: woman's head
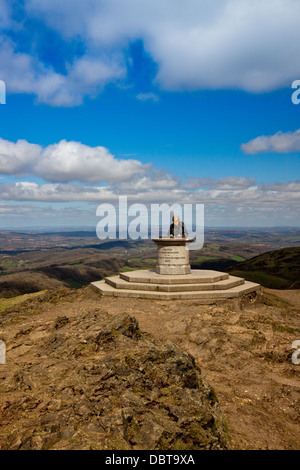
column 175, row 219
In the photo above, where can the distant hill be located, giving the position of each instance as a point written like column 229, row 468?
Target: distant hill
column 279, row 269
column 65, row 272
column 219, row 264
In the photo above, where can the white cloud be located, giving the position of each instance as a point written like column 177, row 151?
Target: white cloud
column 5, row 14
column 233, row 183
column 16, row 158
column 237, row 201
column 67, row 161
column 266, row 197
column 245, row 44
column 83, row 214
column 250, row 45
column 294, row 186
column 64, row 163
column 227, row 183
column 86, row 76
column 157, row 180
column 281, row 142
column 147, row 97
column 28, row 191
column 236, row 44
column 28, row 215
column 25, row 74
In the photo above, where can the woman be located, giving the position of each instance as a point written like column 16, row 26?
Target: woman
column 177, row 228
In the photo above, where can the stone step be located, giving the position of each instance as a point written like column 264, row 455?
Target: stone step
column 197, row 276
column 233, row 292
column 118, row 283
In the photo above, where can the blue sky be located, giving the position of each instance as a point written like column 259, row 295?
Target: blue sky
column 162, row 102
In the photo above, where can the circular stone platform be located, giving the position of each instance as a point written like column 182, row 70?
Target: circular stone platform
column 173, row 278
column 199, row 284
column 195, row 276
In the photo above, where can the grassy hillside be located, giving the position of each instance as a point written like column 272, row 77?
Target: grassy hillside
column 63, row 268
column 279, row 269
column 6, row 303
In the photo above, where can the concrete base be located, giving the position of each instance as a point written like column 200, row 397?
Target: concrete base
column 173, row 255
column 195, row 276
column 199, row 284
column 172, row 269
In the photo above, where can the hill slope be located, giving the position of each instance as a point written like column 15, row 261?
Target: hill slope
column 92, row 380
column 279, row 269
column 61, row 269
column 80, row 374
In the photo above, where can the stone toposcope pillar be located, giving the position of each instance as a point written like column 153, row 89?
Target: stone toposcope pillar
column 173, row 256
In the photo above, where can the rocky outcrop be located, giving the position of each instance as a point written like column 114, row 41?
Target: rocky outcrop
column 94, row 381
